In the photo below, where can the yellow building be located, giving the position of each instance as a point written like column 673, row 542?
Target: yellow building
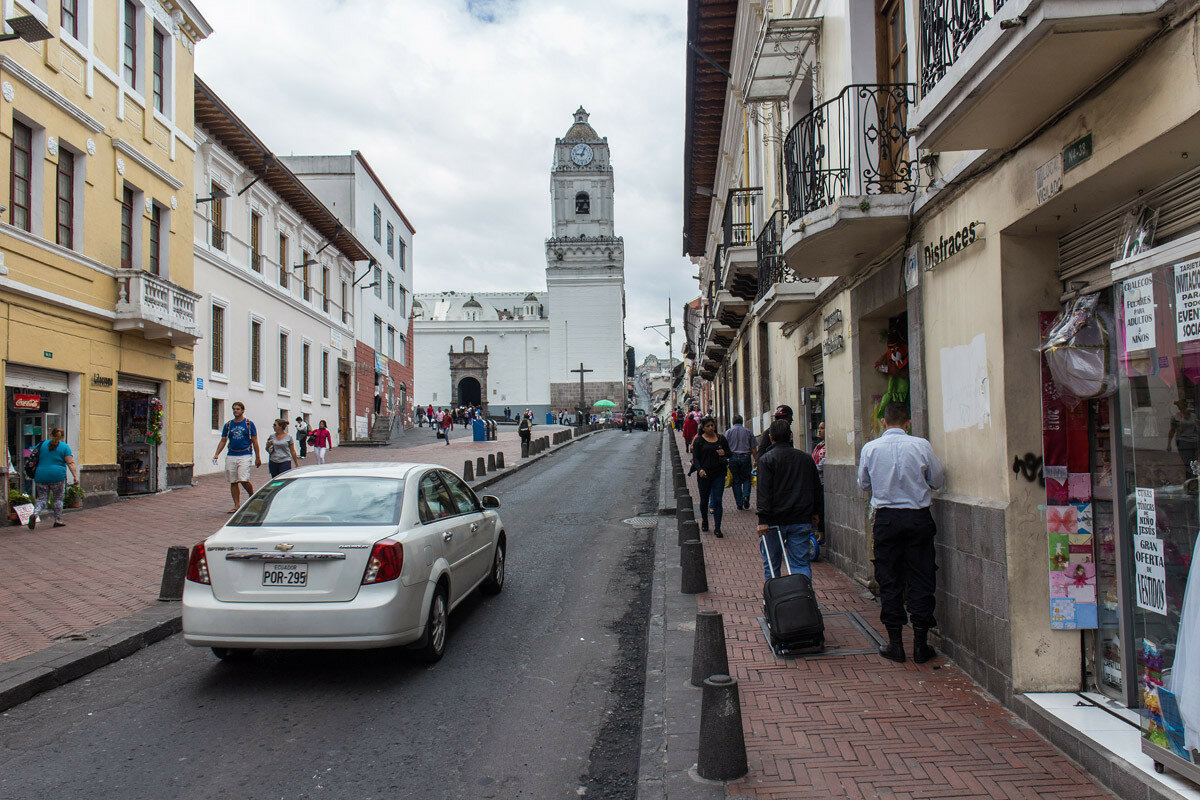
column 97, row 316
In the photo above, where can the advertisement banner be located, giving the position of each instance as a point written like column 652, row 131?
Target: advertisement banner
column 1150, row 573
column 1137, row 306
column 31, row 402
column 1187, row 301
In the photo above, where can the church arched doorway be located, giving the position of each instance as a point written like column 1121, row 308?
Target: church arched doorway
column 470, row 393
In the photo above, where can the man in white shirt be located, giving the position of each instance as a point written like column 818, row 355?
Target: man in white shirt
column 901, row 471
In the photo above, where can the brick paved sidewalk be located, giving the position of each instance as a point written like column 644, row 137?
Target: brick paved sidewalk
column 107, row 562
column 856, row 725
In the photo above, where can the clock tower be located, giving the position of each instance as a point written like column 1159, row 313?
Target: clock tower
column 585, row 273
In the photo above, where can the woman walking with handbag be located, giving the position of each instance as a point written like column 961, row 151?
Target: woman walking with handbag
column 322, row 441
column 710, row 454
column 281, row 449
column 54, row 458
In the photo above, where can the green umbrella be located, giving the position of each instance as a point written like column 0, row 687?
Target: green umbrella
column 604, row 404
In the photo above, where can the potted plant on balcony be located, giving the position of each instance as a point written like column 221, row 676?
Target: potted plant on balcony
column 73, row 496
column 16, row 498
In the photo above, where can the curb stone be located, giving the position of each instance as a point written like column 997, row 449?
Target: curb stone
column 24, row 678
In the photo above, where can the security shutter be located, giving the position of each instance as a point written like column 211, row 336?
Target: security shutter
column 817, row 362
column 1086, row 252
column 126, row 383
column 19, row 376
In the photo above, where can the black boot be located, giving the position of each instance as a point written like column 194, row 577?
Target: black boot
column 894, row 649
column 922, row 652
column 704, row 523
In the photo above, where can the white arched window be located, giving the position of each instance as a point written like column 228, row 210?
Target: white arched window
column 469, row 344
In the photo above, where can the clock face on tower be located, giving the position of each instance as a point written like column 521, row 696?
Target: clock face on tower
column 581, row 154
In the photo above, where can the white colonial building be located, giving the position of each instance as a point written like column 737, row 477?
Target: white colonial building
column 273, row 267
column 526, row 349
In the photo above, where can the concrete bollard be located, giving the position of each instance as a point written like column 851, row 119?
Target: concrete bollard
column 722, row 752
column 480, row 467
column 684, row 501
column 174, row 573
column 524, row 448
column 693, row 579
column 708, row 650
column 684, row 514
column 688, row 530
column 491, row 464
column 468, row 471
column 500, row 460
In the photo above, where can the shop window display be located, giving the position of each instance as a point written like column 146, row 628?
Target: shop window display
column 1159, row 365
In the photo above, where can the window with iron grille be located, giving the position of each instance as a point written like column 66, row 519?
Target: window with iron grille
column 391, row 342
column 325, row 374
column 345, row 303
column 403, row 252
column 378, row 224
column 218, row 339
column 130, row 48
column 69, row 17
column 378, row 275
column 256, row 241
column 283, row 261
column 127, row 228
column 156, row 213
column 307, row 284
column 218, row 219
column 325, row 289
column 391, row 240
column 20, row 177
column 391, row 292
column 283, row 360
column 159, row 69
column 255, row 351
column 65, row 207
column 217, row 414
column 378, row 335
column 305, row 351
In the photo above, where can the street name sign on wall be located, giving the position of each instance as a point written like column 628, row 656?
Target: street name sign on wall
column 1048, row 179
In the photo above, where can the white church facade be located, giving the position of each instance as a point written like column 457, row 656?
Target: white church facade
column 529, row 349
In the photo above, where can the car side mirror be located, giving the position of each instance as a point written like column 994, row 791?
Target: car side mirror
column 490, row 501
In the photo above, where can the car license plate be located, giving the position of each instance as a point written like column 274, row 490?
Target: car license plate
column 293, row 574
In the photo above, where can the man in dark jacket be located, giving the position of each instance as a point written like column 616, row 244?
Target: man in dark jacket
column 790, row 502
column 781, row 413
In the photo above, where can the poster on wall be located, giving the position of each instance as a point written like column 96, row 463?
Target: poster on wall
column 1069, row 513
column 1150, row 575
column 1137, row 306
column 1187, row 301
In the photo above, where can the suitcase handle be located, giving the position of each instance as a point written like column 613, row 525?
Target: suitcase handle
column 782, row 551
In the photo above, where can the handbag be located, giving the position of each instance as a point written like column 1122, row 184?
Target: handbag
column 31, row 463
column 312, row 440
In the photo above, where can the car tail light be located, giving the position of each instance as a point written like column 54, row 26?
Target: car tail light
column 385, row 563
column 197, row 570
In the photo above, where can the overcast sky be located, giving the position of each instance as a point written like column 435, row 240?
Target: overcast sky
column 456, row 104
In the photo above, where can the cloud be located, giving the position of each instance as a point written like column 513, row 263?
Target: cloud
column 457, row 105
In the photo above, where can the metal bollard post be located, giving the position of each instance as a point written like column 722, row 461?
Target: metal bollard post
column 174, row 573
column 708, row 650
column 480, row 469
column 500, row 460
column 468, row 471
column 722, row 752
column 688, row 530
column 693, row 579
column 491, row 463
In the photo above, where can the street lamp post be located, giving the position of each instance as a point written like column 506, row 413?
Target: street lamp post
column 670, row 351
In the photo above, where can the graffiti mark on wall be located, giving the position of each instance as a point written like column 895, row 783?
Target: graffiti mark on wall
column 1029, row 467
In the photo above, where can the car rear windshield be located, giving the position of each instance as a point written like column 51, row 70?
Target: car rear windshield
column 324, row 500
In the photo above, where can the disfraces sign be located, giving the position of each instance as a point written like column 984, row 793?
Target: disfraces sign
column 1187, row 301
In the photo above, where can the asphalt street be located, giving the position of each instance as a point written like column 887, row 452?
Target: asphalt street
column 538, row 696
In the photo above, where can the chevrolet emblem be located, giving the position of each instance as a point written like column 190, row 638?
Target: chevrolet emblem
column 284, row 546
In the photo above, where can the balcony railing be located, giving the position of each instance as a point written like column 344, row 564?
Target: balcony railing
column 853, row 145
column 739, row 216
column 772, row 269
column 947, row 27
column 155, row 306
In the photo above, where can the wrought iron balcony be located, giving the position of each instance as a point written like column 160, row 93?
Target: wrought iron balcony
column 854, row 145
column 156, row 307
column 947, row 27
column 738, row 224
column 772, row 269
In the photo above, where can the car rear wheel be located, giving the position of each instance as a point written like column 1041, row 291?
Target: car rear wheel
column 233, row 654
column 495, row 579
column 433, row 644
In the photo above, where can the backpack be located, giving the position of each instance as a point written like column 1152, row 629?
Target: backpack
column 31, row 463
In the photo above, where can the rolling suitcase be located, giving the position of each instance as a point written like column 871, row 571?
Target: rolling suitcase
column 790, row 606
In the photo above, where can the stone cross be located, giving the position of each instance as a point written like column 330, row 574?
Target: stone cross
column 581, row 371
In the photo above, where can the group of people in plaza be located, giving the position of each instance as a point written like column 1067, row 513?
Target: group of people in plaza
column 898, row 469
column 455, row 414
column 239, row 440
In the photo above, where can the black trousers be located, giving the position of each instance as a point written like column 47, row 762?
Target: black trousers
column 905, row 560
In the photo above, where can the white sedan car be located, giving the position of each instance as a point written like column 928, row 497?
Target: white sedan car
column 344, row 556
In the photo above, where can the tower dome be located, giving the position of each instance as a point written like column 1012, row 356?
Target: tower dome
column 581, row 130
column 531, row 298
column 472, row 303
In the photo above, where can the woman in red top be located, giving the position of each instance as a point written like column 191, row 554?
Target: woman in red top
column 322, row 441
column 689, row 431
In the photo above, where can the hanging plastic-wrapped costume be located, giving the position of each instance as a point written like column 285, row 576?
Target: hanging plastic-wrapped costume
column 1080, row 349
column 1185, row 672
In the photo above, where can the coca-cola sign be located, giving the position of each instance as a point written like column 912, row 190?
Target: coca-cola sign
column 29, row 401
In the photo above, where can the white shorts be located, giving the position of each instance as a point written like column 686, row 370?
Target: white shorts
column 237, row 468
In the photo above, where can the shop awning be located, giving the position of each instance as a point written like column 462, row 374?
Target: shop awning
column 785, row 50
